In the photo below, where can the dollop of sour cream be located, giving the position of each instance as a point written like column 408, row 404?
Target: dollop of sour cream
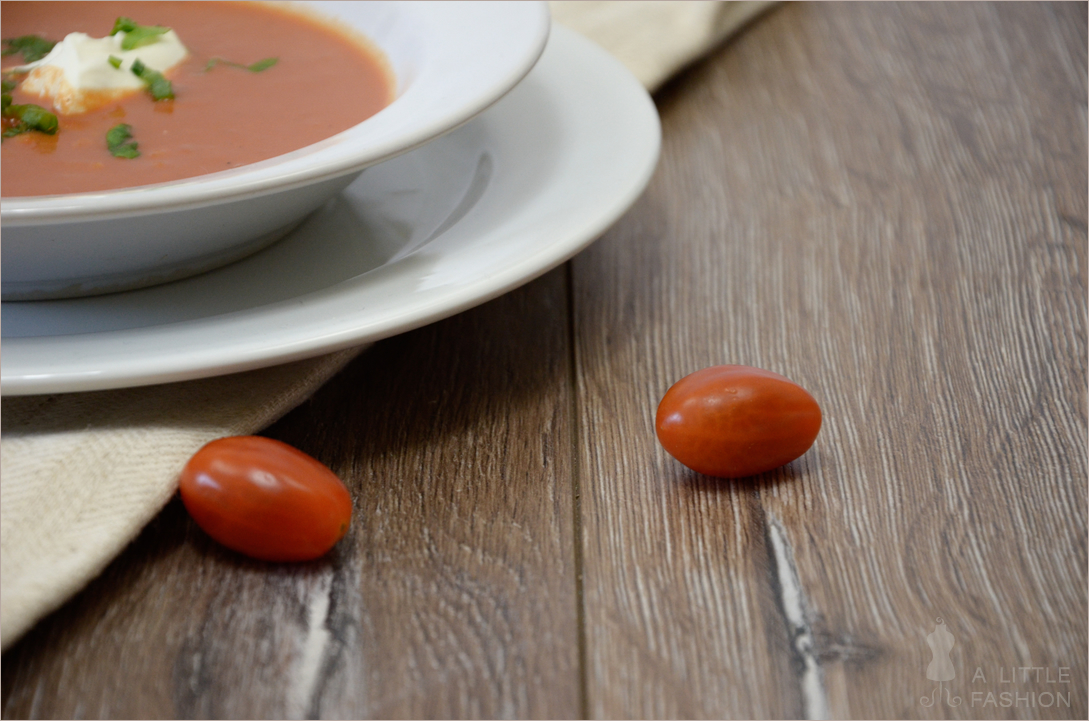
column 76, row 75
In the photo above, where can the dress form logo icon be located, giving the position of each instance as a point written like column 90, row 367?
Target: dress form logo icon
column 941, row 666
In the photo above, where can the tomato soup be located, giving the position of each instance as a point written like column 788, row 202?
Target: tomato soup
column 323, row 82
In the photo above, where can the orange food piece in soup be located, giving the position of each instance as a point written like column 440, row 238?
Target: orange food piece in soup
column 324, row 82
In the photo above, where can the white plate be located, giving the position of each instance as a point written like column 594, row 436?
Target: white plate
column 505, row 198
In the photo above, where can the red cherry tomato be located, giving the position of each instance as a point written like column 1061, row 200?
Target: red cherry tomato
column 265, row 499
column 734, row 421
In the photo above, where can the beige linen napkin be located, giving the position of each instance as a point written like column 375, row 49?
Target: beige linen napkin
column 82, row 473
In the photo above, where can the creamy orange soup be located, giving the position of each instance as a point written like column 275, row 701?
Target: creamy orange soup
column 322, row 83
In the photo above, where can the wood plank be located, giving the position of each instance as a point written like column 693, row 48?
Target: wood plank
column 886, row 203
column 453, row 595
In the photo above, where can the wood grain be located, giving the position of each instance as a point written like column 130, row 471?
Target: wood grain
column 887, row 203
column 453, row 594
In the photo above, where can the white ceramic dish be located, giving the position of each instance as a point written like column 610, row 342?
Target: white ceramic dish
column 467, row 217
column 451, row 60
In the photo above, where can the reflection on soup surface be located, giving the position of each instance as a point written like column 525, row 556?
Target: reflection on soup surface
column 257, row 81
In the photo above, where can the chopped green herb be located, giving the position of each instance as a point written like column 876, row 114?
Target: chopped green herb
column 123, row 25
column 136, row 36
column 159, row 87
column 24, row 118
column 262, row 65
column 32, row 47
column 9, row 87
column 120, row 143
column 143, row 35
column 37, row 117
column 254, row 68
column 114, row 61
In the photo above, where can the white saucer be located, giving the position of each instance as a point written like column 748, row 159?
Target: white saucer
column 465, row 218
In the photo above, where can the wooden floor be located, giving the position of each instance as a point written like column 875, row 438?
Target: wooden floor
column 883, row 202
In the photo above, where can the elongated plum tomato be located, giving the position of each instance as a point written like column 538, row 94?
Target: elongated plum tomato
column 265, row 499
column 735, row 421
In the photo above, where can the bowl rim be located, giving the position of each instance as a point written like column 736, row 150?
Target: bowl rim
column 393, row 130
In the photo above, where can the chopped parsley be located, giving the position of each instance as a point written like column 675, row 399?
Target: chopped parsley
column 159, row 87
column 137, row 36
column 123, row 25
column 254, row 68
column 24, row 118
column 19, row 119
column 120, row 143
column 33, row 47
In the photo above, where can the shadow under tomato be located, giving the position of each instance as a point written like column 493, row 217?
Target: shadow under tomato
column 792, row 473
